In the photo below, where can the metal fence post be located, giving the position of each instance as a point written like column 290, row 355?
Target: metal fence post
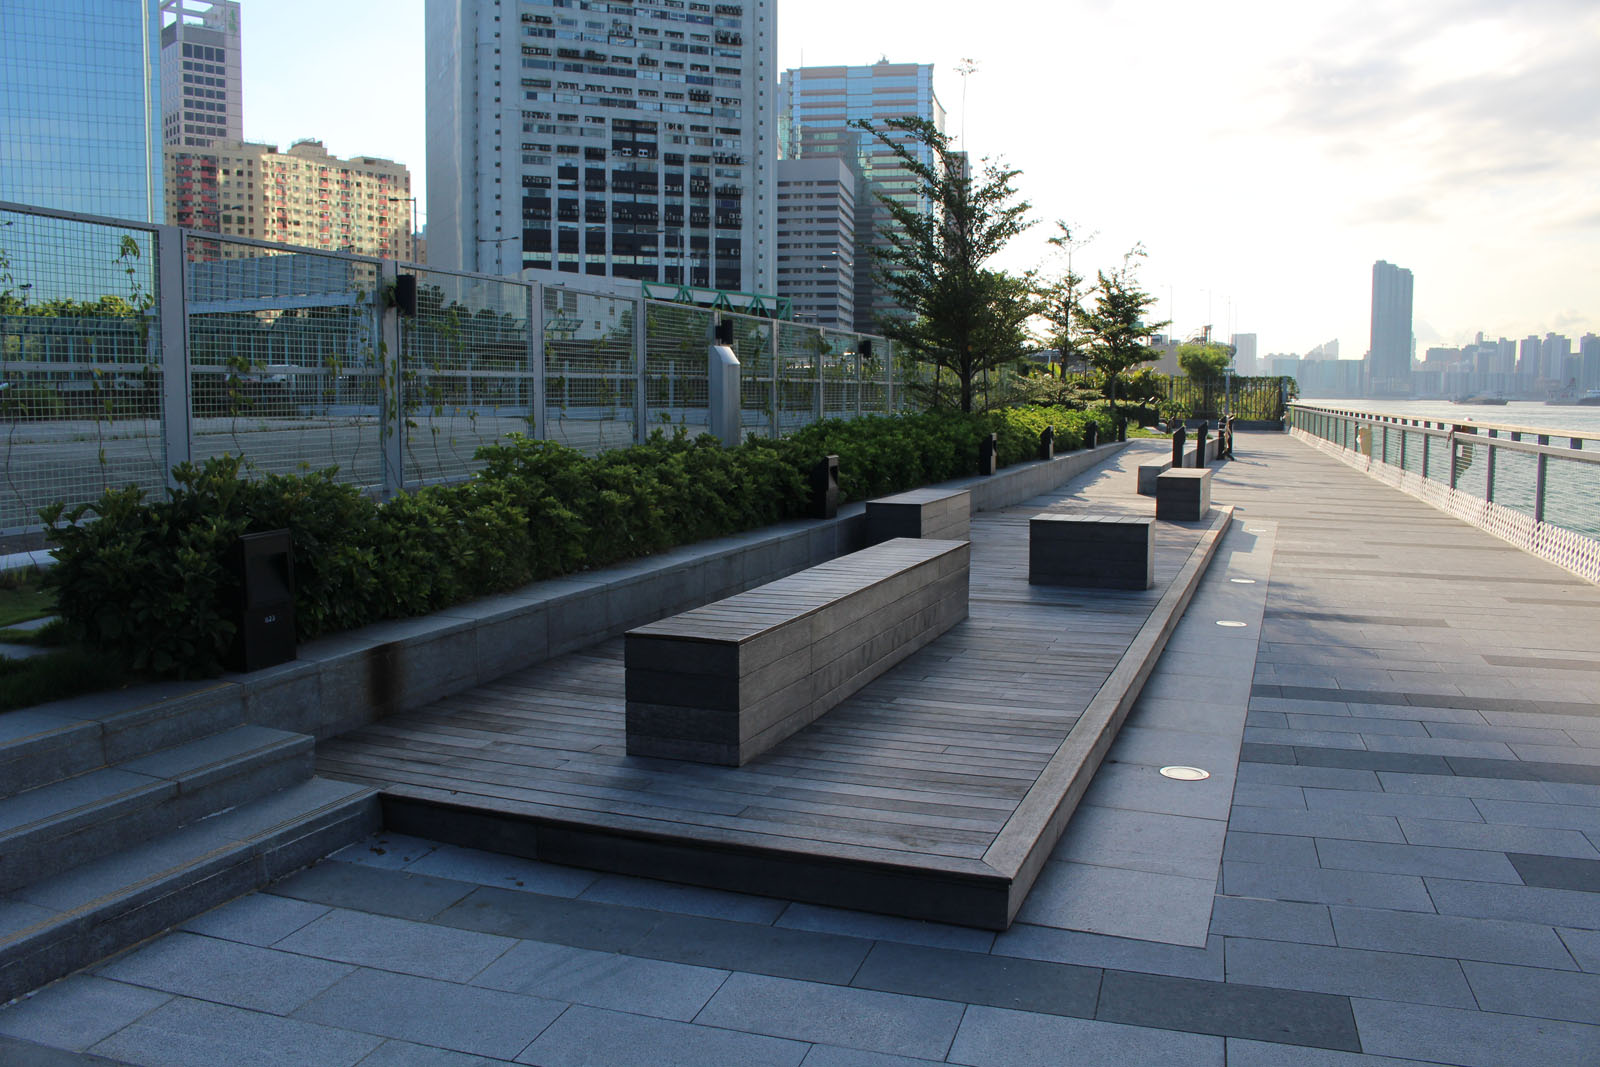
column 1538, row 480
column 641, row 354
column 536, row 360
column 393, row 425
column 1454, row 465
column 1488, row 472
column 775, row 427
column 172, row 309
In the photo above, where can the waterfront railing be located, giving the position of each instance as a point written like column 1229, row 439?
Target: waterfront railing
column 127, row 348
column 1537, row 488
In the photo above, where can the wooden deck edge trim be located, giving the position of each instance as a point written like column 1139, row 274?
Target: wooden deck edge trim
column 963, row 892
column 1026, row 840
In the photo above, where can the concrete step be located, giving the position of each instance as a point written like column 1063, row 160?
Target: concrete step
column 54, row 741
column 54, row 926
column 52, row 828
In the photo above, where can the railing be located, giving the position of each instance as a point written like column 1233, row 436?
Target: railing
column 1536, row 488
column 126, row 349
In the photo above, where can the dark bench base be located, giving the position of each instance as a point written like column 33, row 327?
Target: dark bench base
column 725, row 682
column 1091, row 551
column 933, row 513
column 1184, row 495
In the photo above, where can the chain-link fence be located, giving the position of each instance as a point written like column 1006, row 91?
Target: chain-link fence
column 126, row 349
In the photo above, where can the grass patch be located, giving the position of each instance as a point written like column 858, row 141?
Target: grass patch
column 52, row 634
column 23, row 598
column 56, row 676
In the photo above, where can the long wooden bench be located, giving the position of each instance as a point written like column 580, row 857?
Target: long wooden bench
column 725, row 682
column 1091, row 551
column 942, row 514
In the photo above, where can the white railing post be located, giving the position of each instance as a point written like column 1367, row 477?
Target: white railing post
column 172, row 310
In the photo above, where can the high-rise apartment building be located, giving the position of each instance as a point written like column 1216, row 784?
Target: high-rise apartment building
column 817, row 106
column 202, row 79
column 80, row 106
column 816, row 219
column 301, row 197
column 626, row 140
column 1554, row 352
column 1244, row 353
column 1389, row 358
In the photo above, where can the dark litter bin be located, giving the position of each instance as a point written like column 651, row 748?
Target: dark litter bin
column 1047, row 443
column 1091, row 435
column 263, row 563
column 825, row 488
column 989, row 454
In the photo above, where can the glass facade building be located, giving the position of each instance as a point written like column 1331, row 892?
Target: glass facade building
column 816, row 106
column 80, row 106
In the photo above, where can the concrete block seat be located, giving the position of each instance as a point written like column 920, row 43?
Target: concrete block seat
column 1091, row 551
column 725, row 682
column 942, row 514
column 1184, row 495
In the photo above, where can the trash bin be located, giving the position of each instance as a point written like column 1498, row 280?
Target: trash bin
column 263, row 563
column 825, row 488
column 989, row 454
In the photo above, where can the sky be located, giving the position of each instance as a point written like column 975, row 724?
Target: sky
column 1263, row 154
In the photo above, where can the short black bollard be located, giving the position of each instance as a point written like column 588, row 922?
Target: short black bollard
column 1091, row 435
column 1047, row 443
column 1179, row 437
column 1200, row 446
column 1122, row 428
column 989, row 454
column 825, row 488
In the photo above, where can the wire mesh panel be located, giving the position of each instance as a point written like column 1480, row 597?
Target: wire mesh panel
column 590, row 373
column 841, row 382
column 752, row 343
column 285, row 363
column 877, row 393
column 800, row 351
column 80, row 363
column 677, row 342
column 467, row 373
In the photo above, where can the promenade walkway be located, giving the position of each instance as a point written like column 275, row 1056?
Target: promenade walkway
column 1394, row 860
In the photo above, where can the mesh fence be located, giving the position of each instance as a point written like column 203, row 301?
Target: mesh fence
column 80, row 362
column 841, row 383
column 800, row 358
column 676, row 339
column 752, row 343
column 468, row 372
column 591, row 376
column 285, row 364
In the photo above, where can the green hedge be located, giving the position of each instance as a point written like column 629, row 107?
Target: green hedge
column 148, row 581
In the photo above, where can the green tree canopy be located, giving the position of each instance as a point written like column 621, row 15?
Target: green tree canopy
column 960, row 315
column 1204, row 361
column 1115, row 335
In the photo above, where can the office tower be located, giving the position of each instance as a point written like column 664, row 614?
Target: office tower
column 631, row 141
column 1589, row 362
column 1553, row 353
column 1390, row 353
column 816, row 218
column 201, row 72
column 302, row 197
column 1244, row 353
column 817, row 105
column 80, row 105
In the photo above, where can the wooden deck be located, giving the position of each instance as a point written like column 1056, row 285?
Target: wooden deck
column 934, row 792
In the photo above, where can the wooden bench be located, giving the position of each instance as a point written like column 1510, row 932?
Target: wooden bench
column 1184, row 495
column 1091, row 551
column 936, row 513
column 725, row 682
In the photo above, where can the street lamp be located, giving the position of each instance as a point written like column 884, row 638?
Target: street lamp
column 498, row 241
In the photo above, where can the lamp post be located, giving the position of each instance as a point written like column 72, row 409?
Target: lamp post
column 497, row 242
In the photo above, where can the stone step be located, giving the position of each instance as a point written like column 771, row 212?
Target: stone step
column 55, row 741
column 58, row 826
column 52, row 927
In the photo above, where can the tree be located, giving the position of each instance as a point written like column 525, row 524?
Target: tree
column 960, row 315
column 1204, row 361
column 1114, row 331
column 1059, row 299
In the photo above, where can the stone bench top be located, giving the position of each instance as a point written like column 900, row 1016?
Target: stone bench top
column 746, row 616
column 919, row 496
column 1187, row 474
column 1100, row 517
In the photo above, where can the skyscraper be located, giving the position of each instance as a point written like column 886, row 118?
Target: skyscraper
column 817, row 106
column 631, row 141
column 79, row 107
column 1389, row 358
column 201, row 72
column 816, row 206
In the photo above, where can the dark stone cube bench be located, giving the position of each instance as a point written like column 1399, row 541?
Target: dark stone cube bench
column 725, row 682
column 1184, row 495
column 941, row 514
column 1091, row 551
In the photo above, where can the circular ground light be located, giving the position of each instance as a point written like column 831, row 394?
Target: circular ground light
column 1242, row 581
column 1232, row 624
column 1185, row 774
